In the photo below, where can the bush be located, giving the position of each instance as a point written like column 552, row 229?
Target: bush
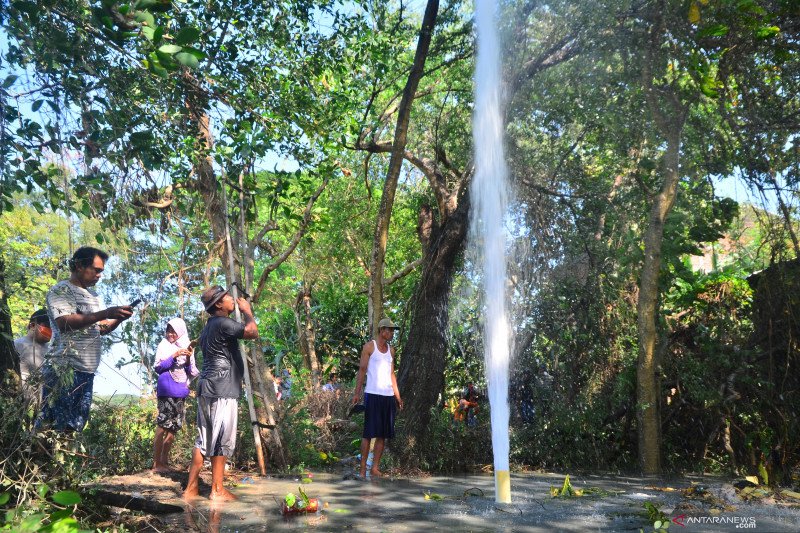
column 315, row 428
column 37, row 465
column 455, row 446
column 120, row 437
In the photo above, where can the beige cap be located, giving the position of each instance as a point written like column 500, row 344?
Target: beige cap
column 387, row 323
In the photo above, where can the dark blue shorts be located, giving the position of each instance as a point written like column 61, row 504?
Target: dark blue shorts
column 66, row 404
column 379, row 416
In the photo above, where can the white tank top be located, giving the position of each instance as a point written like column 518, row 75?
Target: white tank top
column 379, row 372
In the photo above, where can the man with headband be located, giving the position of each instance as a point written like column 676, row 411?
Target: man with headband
column 219, row 388
column 31, row 349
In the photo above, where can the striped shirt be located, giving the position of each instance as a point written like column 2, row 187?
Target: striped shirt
column 78, row 349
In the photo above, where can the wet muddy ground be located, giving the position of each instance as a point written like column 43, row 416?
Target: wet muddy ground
column 609, row 503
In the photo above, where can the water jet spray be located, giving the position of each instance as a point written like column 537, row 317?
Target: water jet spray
column 489, row 197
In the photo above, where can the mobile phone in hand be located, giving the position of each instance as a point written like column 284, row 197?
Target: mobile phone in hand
column 136, row 302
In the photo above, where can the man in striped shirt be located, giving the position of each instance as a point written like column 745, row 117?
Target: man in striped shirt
column 78, row 320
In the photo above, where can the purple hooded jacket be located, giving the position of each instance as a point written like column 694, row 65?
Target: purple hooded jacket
column 174, row 373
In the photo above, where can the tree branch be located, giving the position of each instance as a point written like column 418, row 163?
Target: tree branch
column 301, row 231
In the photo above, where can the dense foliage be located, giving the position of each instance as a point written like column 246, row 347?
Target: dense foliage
column 125, row 125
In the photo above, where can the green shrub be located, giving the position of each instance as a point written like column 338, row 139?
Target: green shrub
column 120, row 437
column 453, row 446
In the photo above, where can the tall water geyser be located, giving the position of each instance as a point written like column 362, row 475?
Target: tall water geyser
column 489, row 201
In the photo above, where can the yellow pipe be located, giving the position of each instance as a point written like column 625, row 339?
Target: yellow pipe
column 502, row 486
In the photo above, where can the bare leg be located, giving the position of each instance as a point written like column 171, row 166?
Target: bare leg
column 364, row 454
column 158, row 447
column 192, row 487
column 218, row 490
column 166, row 446
column 377, row 451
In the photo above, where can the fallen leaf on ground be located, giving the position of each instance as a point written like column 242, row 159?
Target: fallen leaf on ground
column 662, row 489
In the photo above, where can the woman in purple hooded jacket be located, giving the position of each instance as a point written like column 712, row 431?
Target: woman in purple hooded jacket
column 176, row 367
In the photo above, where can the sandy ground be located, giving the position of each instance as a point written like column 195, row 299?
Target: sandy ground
column 465, row 503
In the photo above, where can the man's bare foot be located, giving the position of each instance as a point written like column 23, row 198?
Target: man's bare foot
column 376, row 473
column 160, row 469
column 222, row 496
column 190, row 494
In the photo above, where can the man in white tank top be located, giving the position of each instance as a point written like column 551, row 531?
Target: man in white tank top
column 381, row 395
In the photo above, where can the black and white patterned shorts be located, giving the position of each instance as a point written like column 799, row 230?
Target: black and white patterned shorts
column 171, row 413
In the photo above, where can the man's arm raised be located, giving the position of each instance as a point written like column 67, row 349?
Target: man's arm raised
column 250, row 326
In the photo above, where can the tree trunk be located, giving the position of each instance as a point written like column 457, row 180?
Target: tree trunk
column 206, row 181
column 422, row 359
column 9, row 358
column 207, row 184
column 669, row 114
column 375, row 303
column 424, row 355
column 787, row 215
column 260, row 376
column 307, row 335
column 647, row 382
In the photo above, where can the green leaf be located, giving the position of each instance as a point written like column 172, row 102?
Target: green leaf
column 68, row 497
column 199, row 54
column 32, row 522
column 145, row 18
column 709, row 91
column 713, row 30
column 166, row 60
column 31, row 8
column 149, row 32
column 9, row 81
column 750, row 6
column 170, row 49
column 141, row 139
column 160, row 71
column 43, row 490
column 709, row 86
column 60, row 514
column 4, row 496
column 155, row 5
column 290, row 499
column 99, row 238
column 303, row 496
column 187, row 35
column 657, row 525
column 767, row 31
column 187, row 59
